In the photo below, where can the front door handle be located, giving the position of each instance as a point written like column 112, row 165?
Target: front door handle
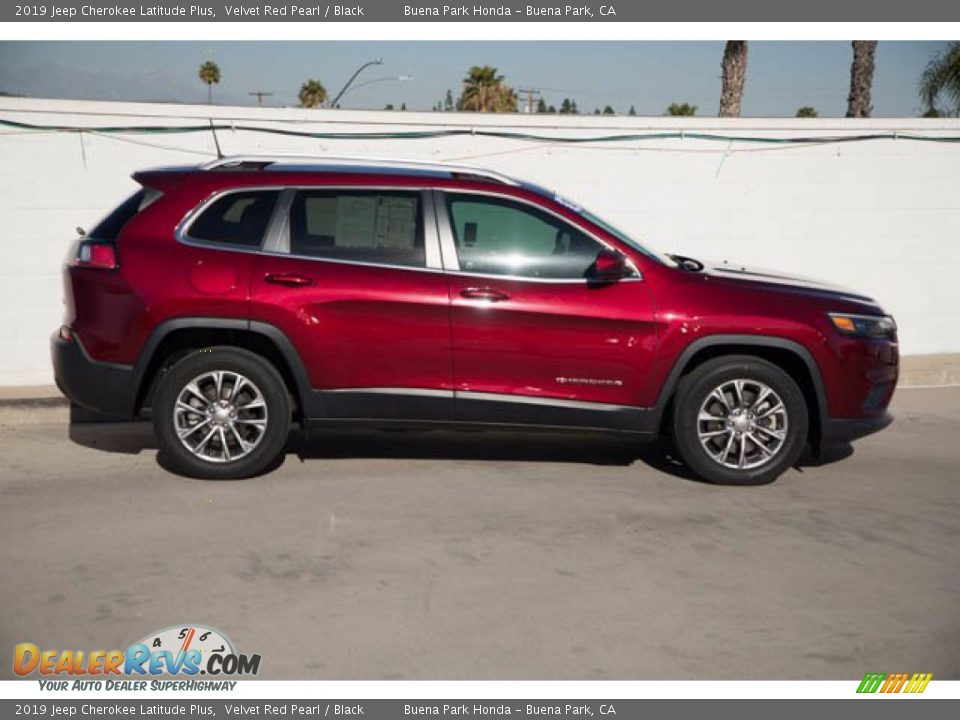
column 484, row 293
column 288, row 279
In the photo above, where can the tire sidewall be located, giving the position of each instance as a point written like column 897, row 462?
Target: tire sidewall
column 691, row 394
column 271, row 385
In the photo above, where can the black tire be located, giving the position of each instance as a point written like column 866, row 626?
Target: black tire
column 267, row 453
column 693, row 391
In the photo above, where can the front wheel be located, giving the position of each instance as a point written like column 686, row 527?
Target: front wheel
column 739, row 420
column 221, row 413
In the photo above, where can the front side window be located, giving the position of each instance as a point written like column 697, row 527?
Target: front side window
column 497, row 236
column 239, row 218
column 383, row 228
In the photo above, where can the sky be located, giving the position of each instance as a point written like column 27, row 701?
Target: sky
column 781, row 76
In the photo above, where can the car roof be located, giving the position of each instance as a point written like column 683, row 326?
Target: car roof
column 356, row 165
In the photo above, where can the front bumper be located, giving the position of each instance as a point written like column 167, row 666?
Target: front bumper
column 104, row 388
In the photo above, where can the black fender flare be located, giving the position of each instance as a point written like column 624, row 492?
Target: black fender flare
column 767, row 341
column 310, row 402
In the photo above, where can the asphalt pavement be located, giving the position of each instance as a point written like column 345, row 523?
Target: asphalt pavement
column 495, row 556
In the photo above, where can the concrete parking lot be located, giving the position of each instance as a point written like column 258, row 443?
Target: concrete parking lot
column 488, row 556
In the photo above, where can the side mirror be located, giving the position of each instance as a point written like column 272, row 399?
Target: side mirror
column 609, row 267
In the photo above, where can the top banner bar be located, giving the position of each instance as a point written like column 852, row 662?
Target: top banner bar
column 481, row 11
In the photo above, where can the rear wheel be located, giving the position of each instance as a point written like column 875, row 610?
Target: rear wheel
column 739, row 420
column 221, row 413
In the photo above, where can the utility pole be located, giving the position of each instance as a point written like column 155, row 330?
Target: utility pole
column 531, row 94
column 260, row 95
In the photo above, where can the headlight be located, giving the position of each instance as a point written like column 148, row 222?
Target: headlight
column 868, row 326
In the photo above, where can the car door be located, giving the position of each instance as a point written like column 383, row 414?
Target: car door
column 534, row 341
column 354, row 281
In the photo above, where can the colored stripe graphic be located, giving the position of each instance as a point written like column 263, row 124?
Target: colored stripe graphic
column 894, row 682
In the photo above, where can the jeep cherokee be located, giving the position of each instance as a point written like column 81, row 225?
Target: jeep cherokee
column 228, row 301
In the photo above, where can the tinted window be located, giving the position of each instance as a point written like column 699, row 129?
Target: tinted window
column 109, row 228
column 375, row 227
column 239, row 218
column 501, row 237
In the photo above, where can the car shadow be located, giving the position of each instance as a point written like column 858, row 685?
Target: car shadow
column 468, row 445
column 585, row 448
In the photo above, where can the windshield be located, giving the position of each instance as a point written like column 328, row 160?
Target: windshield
column 604, row 225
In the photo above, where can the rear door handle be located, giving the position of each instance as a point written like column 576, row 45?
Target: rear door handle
column 484, row 293
column 288, row 279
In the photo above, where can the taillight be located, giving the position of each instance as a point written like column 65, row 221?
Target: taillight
column 95, row 254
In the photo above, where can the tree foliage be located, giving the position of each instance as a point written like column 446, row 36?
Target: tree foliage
column 681, row 110
column 209, row 74
column 312, row 94
column 485, row 91
column 941, row 80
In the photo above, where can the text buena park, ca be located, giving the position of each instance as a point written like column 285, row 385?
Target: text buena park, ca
column 464, row 710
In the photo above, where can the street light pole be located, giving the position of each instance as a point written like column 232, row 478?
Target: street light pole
column 378, row 61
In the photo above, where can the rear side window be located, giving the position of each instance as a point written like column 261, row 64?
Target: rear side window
column 239, row 218
column 109, row 228
column 385, row 228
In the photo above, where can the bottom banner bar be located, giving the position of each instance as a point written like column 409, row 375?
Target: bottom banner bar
column 450, row 710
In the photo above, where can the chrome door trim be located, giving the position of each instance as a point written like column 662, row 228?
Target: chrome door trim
column 420, row 392
column 544, row 400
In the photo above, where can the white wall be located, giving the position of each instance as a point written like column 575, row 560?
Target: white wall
column 881, row 216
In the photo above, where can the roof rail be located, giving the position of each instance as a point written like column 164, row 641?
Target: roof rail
column 261, row 162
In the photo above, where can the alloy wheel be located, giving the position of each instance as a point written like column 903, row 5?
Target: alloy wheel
column 220, row 416
column 742, row 424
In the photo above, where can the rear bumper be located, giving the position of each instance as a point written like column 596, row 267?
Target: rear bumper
column 839, row 430
column 104, row 388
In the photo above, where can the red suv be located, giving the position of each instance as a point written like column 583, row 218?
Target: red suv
column 232, row 300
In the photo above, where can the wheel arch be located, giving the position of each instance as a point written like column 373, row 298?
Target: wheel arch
column 175, row 338
column 792, row 357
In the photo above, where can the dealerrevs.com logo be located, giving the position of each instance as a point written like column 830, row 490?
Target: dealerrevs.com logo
column 188, row 650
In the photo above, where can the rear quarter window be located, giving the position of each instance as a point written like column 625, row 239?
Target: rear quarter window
column 237, row 219
column 109, row 228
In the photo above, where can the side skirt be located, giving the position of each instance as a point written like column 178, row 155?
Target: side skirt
column 410, row 406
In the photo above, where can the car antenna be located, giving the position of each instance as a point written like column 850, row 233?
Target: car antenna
column 213, row 131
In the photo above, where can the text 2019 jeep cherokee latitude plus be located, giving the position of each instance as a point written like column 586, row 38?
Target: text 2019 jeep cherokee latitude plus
column 229, row 300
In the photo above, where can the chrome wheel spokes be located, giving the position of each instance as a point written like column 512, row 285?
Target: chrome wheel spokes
column 220, row 416
column 742, row 424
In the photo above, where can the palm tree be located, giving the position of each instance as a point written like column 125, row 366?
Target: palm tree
column 681, row 110
column 734, row 67
column 209, row 74
column 861, row 79
column 942, row 77
column 485, row 91
column 807, row 112
column 312, row 94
